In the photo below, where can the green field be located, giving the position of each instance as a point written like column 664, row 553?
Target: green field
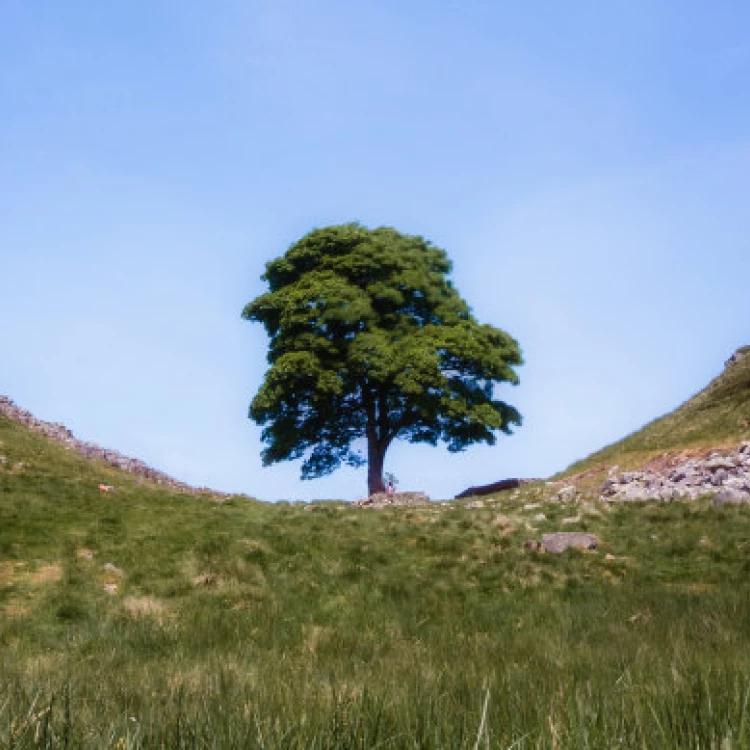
column 243, row 624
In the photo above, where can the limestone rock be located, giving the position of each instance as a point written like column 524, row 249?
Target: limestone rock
column 731, row 496
column 397, row 499
column 567, row 494
column 687, row 479
column 563, row 540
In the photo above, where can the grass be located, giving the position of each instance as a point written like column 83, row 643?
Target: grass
column 242, row 624
column 717, row 416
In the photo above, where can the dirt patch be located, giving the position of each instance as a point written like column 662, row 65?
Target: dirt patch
column 14, row 610
column 144, row 606
column 46, row 574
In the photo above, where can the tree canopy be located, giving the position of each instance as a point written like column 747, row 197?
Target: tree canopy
column 369, row 339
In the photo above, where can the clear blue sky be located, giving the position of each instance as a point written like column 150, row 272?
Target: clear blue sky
column 586, row 165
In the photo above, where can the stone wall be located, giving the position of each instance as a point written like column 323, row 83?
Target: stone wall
column 62, row 435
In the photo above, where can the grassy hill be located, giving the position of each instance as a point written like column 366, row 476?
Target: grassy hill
column 147, row 618
column 717, row 416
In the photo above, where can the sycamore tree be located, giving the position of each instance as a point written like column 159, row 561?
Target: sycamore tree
column 370, row 342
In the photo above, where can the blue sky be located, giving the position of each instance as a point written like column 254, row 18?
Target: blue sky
column 586, row 166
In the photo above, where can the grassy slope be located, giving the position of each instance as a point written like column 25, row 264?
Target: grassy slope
column 242, row 624
column 717, row 416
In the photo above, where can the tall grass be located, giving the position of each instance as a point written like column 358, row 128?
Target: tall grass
column 247, row 625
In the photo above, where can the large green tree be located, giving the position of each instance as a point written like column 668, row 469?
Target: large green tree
column 369, row 339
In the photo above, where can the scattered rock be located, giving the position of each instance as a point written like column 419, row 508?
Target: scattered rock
column 3, row 460
column 82, row 553
column 563, row 540
column 475, row 504
column 540, row 517
column 113, row 570
column 110, row 588
column 397, row 499
column 682, row 479
column 531, row 506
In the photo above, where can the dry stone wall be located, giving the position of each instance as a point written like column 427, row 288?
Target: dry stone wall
column 62, row 435
column 722, row 473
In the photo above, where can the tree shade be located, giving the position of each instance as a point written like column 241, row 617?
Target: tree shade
column 369, row 339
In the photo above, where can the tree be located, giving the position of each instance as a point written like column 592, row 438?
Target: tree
column 369, row 339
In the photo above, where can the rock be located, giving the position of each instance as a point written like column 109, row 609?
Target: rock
column 531, row 506
column 563, row 540
column 110, row 588
column 571, row 520
column 3, row 460
column 540, row 517
column 720, row 462
column 113, row 569
column 567, row 494
column 735, row 358
column 474, row 505
column 731, row 496
column 397, row 499
column 489, row 489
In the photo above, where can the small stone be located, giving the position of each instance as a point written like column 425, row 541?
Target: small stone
column 475, row 504
column 571, row 520
column 540, row 517
column 113, row 569
column 567, row 494
column 531, row 506
column 110, row 588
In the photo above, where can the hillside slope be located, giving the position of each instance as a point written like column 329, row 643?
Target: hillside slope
column 149, row 617
column 718, row 416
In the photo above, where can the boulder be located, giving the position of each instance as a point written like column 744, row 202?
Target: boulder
column 732, row 496
column 562, row 540
column 489, row 489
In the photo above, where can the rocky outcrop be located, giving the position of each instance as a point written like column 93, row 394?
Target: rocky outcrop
column 740, row 354
column 394, row 500
column 685, row 479
column 62, row 435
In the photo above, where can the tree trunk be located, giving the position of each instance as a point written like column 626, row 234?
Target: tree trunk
column 375, row 456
